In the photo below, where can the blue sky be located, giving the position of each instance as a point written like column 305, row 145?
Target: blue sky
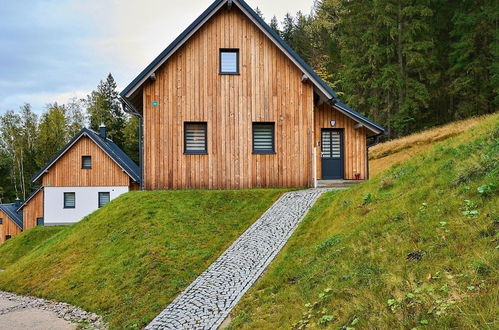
column 55, row 50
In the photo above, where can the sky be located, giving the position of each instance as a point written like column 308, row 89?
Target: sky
column 54, row 50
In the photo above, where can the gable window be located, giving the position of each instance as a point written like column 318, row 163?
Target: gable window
column 69, row 200
column 1, row 221
column 229, row 61
column 104, row 198
column 86, row 162
column 263, row 138
column 195, row 141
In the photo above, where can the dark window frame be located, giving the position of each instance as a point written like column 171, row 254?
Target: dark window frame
column 1, row 221
column 83, row 164
column 196, row 152
column 98, row 198
column 267, row 151
column 40, row 222
column 229, row 50
column 64, row 200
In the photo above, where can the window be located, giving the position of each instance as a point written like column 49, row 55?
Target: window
column 195, row 138
column 229, row 61
column 104, row 198
column 1, row 221
column 86, row 162
column 263, row 138
column 39, row 222
column 69, row 200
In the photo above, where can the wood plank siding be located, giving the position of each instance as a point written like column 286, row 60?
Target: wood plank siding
column 33, row 210
column 189, row 88
column 354, row 141
column 67, row 171
column 8, row 227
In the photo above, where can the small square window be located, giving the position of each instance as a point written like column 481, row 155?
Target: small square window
column 229, row 61
column 263, row 138
column 39, row 222
column 195, row 141
column 86, row 162
column 69, row 200
column 104, row 198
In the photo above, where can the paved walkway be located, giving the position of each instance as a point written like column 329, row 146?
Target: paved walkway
column 210, row 298
column 21, row 312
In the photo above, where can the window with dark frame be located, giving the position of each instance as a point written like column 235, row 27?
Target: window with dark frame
column 39, row 222
column 69, row 200
column 263, row 138
column 1, row 221
column 86, row 162
column 195, row 140
column 229, row 61
column 104, row 198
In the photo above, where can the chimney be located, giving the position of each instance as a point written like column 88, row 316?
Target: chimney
column 18, row 202
column 102, row 131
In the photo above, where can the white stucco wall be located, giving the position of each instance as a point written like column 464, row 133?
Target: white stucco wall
column 86, row 202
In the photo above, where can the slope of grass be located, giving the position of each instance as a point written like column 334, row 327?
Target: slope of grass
column 385, row 155
column 415, row 247
column 20, row 245
column 129, row 259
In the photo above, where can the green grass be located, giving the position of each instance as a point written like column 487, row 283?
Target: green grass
column 415, row 247
column 128, row 260
column 20, row 245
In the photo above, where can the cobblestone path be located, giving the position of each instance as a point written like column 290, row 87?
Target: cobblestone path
column 210, row 298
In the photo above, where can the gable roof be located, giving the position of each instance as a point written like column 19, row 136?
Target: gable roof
column 33, row 194
column 11, row 211
column 318, row 83
column 107, row 145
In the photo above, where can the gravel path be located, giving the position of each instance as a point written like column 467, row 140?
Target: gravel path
column 210, row 298
column 20, row 312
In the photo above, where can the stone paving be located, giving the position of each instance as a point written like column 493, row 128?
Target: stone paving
column 24, row 312
column 210, row 298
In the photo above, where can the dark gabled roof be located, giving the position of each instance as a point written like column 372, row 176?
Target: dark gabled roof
column 314, row 77
column 11, row 211
column 29, row 198
column 107, row 145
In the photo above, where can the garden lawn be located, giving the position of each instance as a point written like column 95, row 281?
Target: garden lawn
column 415, row 247
column 129, row 259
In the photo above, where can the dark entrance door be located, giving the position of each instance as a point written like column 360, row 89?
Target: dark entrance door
column 332, row 153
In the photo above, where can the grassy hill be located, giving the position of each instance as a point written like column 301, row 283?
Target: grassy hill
column 415, row 247
column 24, row 243
column 129, row 259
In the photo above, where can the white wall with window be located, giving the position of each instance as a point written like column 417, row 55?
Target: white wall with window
column 67, row 205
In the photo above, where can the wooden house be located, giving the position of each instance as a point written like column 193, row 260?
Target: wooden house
column 86, row 174
column 230, row 105
column 11, row 222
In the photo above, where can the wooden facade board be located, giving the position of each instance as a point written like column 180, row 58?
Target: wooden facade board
column 8, row 227
column 354, row 141
column 33, row 210
column 67, row 171
column 188, row 87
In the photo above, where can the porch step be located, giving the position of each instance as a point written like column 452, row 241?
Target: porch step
column 337, row 183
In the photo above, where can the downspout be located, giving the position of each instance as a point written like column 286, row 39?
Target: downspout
column 130, row 109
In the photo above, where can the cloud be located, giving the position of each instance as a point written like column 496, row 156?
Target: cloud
column 54, row 48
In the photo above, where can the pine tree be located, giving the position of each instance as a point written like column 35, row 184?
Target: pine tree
column 274, row 24
column 474, row 57
column 288, row 26
column 103, row 107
